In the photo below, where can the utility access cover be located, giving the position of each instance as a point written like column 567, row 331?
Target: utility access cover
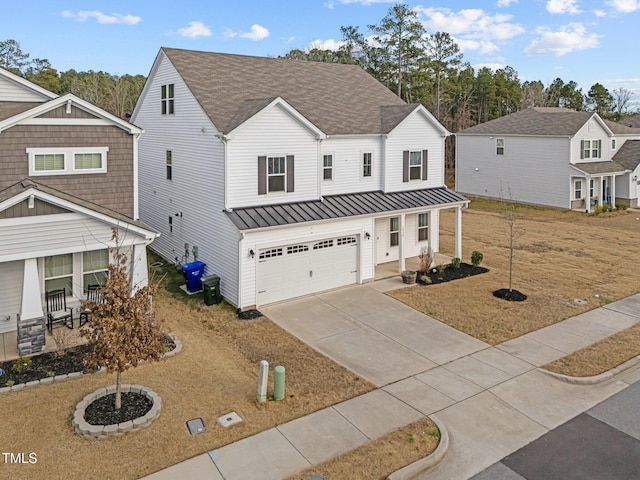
column 195, row 426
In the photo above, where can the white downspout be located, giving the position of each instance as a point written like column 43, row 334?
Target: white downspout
column 136, row 195
column 240, row 259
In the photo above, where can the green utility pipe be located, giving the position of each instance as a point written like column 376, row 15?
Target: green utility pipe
column 278, row 383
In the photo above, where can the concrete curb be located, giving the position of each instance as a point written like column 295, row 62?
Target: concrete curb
column 67, row 376
column 595, row 379
column 83, row 428
column 424, row 465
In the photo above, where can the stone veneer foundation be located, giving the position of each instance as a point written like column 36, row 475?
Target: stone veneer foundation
column 31, row 336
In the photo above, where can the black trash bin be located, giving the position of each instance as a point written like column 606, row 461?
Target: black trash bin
column 211, row 287
column 193, row 275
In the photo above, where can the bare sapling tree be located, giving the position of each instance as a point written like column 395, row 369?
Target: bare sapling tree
column 513, row 231
column 122, row 330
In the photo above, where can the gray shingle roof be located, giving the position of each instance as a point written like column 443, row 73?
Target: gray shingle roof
column 619, row 128
column 631, row 121
column 336, row 98
column 595, row 168
column 534, row 121
column 340, row 206
column 629, row 155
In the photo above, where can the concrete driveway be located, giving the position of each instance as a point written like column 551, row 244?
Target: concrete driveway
column 372, row 334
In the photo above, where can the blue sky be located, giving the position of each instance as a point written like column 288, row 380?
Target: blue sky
column 580, row 40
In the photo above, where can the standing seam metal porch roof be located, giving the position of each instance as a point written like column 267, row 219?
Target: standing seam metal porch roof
column 340, row 206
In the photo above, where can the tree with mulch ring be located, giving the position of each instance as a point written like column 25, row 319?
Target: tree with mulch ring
column 510, row 295
column 122, row 331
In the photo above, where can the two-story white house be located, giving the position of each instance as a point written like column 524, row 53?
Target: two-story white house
column 286, row 177
column 550, row 156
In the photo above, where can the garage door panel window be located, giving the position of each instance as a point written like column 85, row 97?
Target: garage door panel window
column 347, row 240
column 291, row 249
column 323, row 244
column 274, row 252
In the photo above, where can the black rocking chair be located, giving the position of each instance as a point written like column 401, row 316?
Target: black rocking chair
column 94, row 294
column 57, row 311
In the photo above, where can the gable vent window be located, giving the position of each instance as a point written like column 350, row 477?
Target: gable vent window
column 167, row 99
column 274, row 252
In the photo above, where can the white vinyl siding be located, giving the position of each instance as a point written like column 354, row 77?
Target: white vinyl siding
column 533, row 169
column 348, row 164
column 272, row 132
column 10, row 293
column 12, row 92
column 197, row 184
column 598, row 148
column 415, row 134
column 412, row 244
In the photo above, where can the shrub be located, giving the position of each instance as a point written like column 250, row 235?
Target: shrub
column 426, row 258
column 621, row 206
column 598, row 210
column 455, row 262
column 439, row 268
column 476, row 258
column 20, row 365
column 10, row 383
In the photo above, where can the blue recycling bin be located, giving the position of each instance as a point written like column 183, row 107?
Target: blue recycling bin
column 192, row 275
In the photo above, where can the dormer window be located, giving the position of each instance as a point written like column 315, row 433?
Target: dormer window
column 167, row 99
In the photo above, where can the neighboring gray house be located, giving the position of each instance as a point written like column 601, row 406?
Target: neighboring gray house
column 550, row 156
column 290, row 177
column 67, row 176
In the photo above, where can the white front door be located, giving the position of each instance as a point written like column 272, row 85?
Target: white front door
column 289, row 271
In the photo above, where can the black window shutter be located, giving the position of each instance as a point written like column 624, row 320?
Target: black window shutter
column 581, row 148
column 262, row 175
column 599, row 148
column 425, row 163
column 290, row 173
column 405, row 166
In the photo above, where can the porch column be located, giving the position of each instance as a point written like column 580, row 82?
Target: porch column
column 401, row 263
column 139, row 269
column 31, row 306
column 458, row 232
column 600, row 191
column 612, row 188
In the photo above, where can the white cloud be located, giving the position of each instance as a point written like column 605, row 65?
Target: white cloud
column 471, row 23
column 100, row 17
column 490, row 66
column 600, row 13
column 366, row 2
column 624, row 6
column 506, row 3
column 258, row 32
column 563, row 6
column 483, row 48
column 195, row 30
column 570, row 38
column 329, row 44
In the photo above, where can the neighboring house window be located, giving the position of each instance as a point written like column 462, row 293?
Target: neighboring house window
column 327, row 167
column 499, row 146
column 275, row 174
column 414, row 165
column 67, row 160
column 394, row 231
column 94, row 267
column 366, row 164
column 577, row 191
column 169, row 160
column 423, row 227
column 170, row 224
column 167, row 99
column 613, row 144
column 591, row 149
column 58, row 273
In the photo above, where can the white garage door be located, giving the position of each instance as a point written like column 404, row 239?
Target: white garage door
column 290, row 271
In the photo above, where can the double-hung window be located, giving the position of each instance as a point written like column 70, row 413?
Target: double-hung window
column 276, row 174
column 167, row 99
column 577, row 191
column 367, row 164
column 67, row 160
column 327, row 167
column 169, row 162
column 499, row 146
column 590, row 149
column 58, row 273
column 394, row 231
column 415, row 165
column 94, row 267
column 423, row 227
column 613, row 144
column 77, row 270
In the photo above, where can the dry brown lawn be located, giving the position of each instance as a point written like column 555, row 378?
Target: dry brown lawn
column 561, row 255
column 216, row 373
column 377, row 459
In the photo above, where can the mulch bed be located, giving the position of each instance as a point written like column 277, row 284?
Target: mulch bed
column 509, row 295
column 102, row 411
column 449, row 273
column 249, row 314
column 53, row 363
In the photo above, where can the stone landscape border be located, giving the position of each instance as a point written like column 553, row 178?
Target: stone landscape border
column 87, row 430
column 66, row 376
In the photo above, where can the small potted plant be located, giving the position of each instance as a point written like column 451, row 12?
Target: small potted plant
column 409, row 276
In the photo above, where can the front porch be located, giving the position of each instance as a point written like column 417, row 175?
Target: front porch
column 390, row 269
column 9, row 342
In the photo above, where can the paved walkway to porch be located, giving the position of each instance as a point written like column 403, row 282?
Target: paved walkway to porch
column 390, row 269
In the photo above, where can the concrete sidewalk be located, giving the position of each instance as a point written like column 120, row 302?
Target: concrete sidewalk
column 491, row 400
